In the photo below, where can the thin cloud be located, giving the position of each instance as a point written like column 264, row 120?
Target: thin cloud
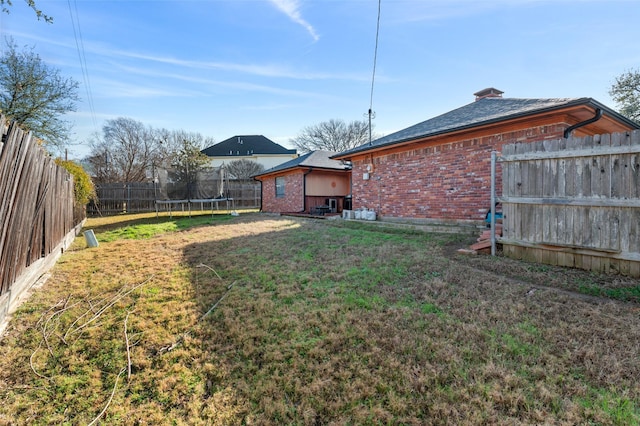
column 117, row 89
column 262, row 70
column 251, row 69
column 291, row 9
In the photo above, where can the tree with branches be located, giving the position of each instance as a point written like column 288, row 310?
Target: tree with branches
column 188, row 161
column 129, row 151
column 35, row 95
column 333, row 135
column 172, row 144
column 243, row 169
column 5, row 4
column 626, row 93
column 124, row 153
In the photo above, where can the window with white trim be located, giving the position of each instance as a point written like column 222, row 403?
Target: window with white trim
column 280, row 187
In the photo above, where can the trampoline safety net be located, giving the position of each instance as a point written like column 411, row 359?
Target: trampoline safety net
column 205, row 185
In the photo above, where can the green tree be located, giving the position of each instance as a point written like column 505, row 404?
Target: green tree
column 5, row 4
column 626, row 93
column 333, row 135
column 172, row 144
column 35, row 95
column 188, row 161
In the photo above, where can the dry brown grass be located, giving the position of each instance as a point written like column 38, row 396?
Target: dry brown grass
column 320, row 322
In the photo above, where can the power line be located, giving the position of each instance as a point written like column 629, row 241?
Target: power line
column 83, row 60
column 373, row 77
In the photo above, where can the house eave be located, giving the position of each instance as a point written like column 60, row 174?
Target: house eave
column 301, row 167
column 568, row 107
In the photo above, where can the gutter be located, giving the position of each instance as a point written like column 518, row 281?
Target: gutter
column 304, row 189
column 568, row 130
column 577, row 102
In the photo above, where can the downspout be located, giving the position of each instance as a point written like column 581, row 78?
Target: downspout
column 570, row 129
column 304, row 190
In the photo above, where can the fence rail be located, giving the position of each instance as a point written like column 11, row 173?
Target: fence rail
column 574, row 202
column 37, row 211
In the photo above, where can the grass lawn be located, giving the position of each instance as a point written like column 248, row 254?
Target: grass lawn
column 271, row 320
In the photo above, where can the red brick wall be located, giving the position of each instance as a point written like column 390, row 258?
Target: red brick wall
column 450, row 181
column 293, row 200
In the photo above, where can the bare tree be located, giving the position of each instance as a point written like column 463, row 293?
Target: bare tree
column 333, row 135
column 243, row 169
column 124, row 153
column 626, row 93
column 35, row 95
column 128, row 151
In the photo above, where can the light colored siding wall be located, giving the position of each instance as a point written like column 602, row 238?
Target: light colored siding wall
column 327, row 184
column 268, row 161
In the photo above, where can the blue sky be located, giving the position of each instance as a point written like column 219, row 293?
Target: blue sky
column 272, row 67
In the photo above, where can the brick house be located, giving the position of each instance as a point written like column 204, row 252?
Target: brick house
column 303, row 184
column 439, row 170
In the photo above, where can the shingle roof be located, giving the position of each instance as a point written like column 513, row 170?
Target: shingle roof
column 246, row 145
column 481, row 112
column 315, row 159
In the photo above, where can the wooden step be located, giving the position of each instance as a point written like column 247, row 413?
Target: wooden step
column 481, row 245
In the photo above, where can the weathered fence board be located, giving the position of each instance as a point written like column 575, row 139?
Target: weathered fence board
column 574, row 202
column 37, row 211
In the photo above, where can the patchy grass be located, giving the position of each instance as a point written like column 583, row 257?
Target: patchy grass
column 268, row 320
column 621, row 293
column 142, row 226
column 615, row 287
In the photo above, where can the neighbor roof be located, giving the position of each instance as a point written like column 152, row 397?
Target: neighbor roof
column 482, row 112
column 246, row 145
column 314, row 159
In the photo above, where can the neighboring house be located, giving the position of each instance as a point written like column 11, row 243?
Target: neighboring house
column 249, row 147
column 305, row 183
column 439, row 170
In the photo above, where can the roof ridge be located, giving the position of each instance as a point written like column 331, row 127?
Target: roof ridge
column 479, row 112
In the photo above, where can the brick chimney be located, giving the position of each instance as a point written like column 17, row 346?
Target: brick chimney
column 488, row 93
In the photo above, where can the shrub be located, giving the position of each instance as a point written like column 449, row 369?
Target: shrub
column 84, row 190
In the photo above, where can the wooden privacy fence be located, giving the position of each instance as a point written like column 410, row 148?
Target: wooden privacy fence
column 37, row 211
column 138, row 197
column 130, row 197
column 245, row 195
column 574, row 202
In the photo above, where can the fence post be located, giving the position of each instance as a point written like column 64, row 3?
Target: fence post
column 493, row 203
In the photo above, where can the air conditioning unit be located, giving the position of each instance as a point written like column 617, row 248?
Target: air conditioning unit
column 333, row 205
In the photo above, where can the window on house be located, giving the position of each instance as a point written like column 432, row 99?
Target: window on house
column 280, row 186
